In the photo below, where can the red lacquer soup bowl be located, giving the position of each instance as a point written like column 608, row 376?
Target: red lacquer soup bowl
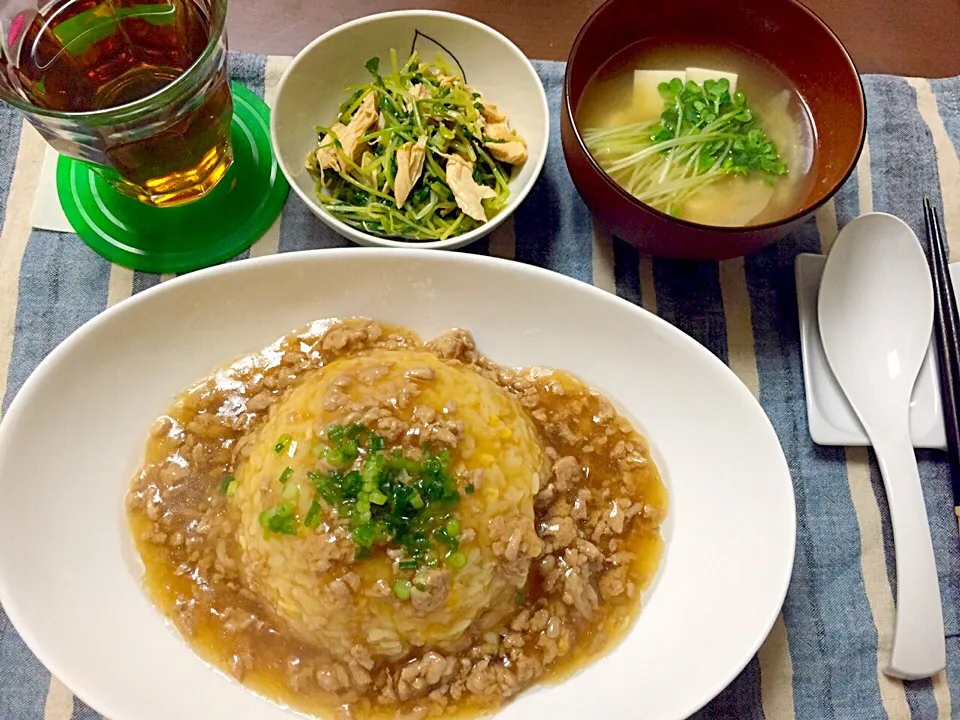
column 786, row 35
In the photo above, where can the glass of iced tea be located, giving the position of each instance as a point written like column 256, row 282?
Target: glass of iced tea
column 138, row 88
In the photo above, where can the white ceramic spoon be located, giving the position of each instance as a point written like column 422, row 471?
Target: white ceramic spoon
column 875, row 312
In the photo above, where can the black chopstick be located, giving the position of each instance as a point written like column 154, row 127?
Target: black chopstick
column 947, row 327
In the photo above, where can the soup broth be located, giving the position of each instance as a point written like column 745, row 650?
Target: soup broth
column 731, row 200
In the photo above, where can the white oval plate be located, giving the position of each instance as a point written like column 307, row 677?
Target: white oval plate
column 69, row 578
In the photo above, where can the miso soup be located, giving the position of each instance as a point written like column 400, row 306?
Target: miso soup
column 707, row 132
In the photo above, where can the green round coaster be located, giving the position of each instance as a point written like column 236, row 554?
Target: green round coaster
column 223, row 223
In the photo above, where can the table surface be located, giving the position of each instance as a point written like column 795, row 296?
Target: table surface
column 919, row 38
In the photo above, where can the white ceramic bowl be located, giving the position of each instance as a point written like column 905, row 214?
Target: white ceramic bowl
column 74, row 435
column 312, row 88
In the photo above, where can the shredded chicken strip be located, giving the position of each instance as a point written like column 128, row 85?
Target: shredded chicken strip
column 410, row 159
column 444, row 80
column 363, row 119
column 513, row 149
column 491, row 113
column 326, row 156
column 419, row 91
column 466, row 191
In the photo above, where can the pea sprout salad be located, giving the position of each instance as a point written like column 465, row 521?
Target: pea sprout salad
column 415, row 154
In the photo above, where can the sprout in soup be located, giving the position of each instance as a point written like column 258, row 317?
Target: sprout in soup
column 720, row 137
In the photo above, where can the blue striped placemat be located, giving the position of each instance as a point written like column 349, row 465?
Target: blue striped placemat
column 823, row 658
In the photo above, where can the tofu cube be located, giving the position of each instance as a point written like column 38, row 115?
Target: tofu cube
column 698, row 75
column 647, row 102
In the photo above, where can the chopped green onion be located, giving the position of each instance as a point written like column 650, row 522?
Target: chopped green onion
column 342, row 455
column 456, row 560
column 365, row 534
column 518, row 596
column 401, row 588
column 398, row 462
column 470, row 489
column 225, row 481
column 280, row 519
column 286, row 475
column 313, row 515
column 350, row 484
column 444, row 537
column 390, row 500
column 372, row 467
column 282, row 442
column 355, row 430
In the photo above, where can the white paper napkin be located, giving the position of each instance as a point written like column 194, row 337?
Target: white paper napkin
column 47, row 213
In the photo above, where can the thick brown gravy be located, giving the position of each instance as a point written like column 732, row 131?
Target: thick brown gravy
column 598, row 513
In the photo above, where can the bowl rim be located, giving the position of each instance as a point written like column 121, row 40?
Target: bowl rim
column 358, row 236
column 804, row 210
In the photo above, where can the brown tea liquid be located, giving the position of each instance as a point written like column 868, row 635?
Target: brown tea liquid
column 87, row 55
